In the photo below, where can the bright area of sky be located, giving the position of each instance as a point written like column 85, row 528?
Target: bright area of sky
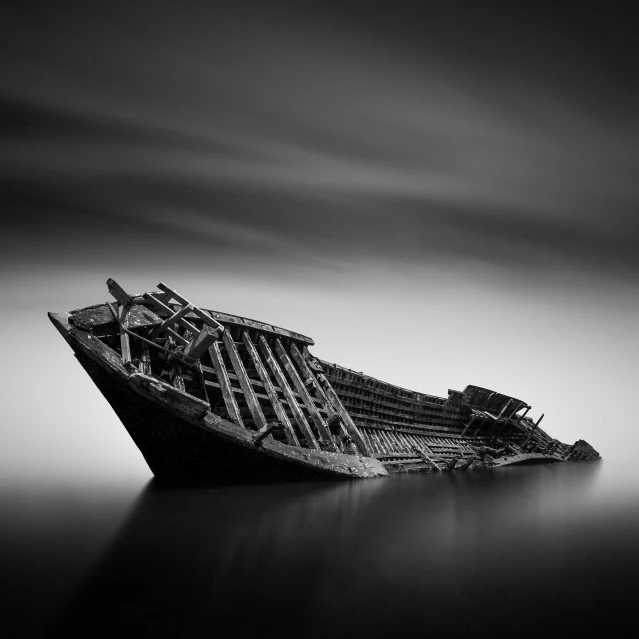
column 432, row 214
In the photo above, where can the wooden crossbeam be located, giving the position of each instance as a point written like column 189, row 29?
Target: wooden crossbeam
column 203, row 315
column 288, row 393
column 291, row 438
column 320, row 424
column 225, row 385
column 174, row 319
column 247, row 388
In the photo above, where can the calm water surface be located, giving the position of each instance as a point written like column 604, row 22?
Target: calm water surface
column 521, row 549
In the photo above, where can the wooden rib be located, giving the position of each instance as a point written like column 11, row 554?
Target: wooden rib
column 353, row 431
column 225, row 385
column 320, row 424
column 245, row 382
column 123, row 311
column 291, row 438
column 288, row 393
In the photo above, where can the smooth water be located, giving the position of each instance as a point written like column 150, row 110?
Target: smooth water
column 521, row 549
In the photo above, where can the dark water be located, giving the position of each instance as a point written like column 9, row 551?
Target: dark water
column 520, row 549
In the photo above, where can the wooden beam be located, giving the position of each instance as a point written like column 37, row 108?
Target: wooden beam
column 122, row 297
column 125, row 346
column 532, row 430
column 201, row 342
column 291, row 437
column 320, row 424
column 247, row 388
column 203, row 315
column 288, row 393
column 225, row 385
column 344, row 414
column 172, row 319
column 468, row 425
column 314, row 383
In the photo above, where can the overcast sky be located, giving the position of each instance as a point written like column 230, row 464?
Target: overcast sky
column 439, row 196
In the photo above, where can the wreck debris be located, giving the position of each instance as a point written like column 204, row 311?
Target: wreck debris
column 207, row 394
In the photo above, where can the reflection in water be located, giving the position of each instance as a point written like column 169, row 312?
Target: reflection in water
column 455, row 553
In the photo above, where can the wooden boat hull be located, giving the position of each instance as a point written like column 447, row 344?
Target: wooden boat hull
column 178, row 444
column 213, row 397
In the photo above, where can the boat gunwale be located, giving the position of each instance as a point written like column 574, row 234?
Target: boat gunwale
column 220, row 316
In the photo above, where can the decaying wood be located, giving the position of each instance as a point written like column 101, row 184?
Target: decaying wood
column 291, row 437
column 288, row 393
column 247, row 388
column 320, row 424
column 225, row 385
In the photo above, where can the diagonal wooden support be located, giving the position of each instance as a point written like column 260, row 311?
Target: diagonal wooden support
column 173, row 319
column 288, row 393
column 531, row 431
column 225, row 385
column 310, row 381
column 245, row 383
column 351, row 428
column 291, row 438
column 468, row 425
column 320, row 424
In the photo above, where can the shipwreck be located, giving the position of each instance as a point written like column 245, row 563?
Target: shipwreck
column 211, row 396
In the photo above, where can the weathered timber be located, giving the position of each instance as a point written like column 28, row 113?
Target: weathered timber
column 121, row 296
column 288, row 393
column 311, row 381
column 225, row 385
column 201, row 342
column 247, row 388
column 320, row 424
column 291, row 437
column 532, row 430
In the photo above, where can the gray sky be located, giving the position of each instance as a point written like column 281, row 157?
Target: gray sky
column 438, row 196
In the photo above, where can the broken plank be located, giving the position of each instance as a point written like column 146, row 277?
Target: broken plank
column 288, row 393
column 291, row 438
